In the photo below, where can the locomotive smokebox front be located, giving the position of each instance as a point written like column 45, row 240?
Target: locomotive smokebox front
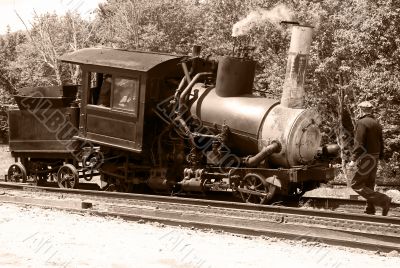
column 256, row 122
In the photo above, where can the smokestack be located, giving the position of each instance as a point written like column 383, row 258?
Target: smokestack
column 293, row 87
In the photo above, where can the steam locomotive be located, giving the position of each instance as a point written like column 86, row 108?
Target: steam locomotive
column 173, row 124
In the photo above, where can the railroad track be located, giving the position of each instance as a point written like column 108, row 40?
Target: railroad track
column 344, row 229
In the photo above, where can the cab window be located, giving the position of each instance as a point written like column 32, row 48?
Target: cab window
column 125, row 94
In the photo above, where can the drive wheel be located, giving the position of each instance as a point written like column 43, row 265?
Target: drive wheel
column 68, row 177
column 16, row 173
column 254, row 189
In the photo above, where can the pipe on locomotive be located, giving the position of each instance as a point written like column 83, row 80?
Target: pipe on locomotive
column 188, row 89
column 195, row 54
column 254, row 161
column 182, row 95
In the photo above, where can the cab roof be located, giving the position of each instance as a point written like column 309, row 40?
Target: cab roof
column 119, row 58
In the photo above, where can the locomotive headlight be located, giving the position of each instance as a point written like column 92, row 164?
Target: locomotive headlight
column 298, row 132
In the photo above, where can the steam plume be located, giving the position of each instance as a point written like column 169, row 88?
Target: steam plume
column 260, row 16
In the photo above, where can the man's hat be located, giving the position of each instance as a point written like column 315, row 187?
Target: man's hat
column 365, row 104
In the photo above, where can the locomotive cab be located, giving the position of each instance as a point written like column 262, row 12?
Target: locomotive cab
column 119, row 89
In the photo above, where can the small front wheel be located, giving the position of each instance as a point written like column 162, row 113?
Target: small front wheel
column 16, row 173
column 68, row 177
column 255, row 189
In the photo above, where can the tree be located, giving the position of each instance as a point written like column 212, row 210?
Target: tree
column 8, row 54
column 49, row 37
column 164, row 26
column 354, row 57
column 8, row 82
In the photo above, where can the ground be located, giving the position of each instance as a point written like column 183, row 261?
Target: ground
column 35, row 237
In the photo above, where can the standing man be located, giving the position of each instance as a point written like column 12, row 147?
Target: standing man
column 368, row 149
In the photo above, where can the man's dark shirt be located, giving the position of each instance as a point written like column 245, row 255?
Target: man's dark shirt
column 368, row 137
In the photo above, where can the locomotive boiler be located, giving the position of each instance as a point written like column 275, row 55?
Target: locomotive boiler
column 177, row 124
